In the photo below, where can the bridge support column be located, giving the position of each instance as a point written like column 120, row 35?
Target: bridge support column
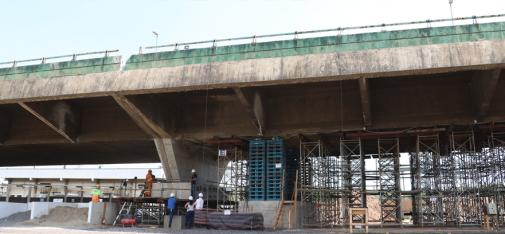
column 178, row 157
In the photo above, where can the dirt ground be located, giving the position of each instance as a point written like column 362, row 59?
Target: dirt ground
column 110, row 230
column 73, row 221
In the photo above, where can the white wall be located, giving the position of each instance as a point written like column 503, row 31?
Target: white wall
column 9, row 208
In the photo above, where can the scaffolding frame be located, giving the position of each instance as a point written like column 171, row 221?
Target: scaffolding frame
column 319, row 185
column 454, row 179
column 454, row 189
column 427, row 181
column 389, row 180
column 232, row 172
column 352, row 155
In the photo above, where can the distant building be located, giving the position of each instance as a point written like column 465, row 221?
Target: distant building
column 73, row 183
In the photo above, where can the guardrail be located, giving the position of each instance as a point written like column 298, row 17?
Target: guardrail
column 339, row 29
column 253, row 38
column 45, row 59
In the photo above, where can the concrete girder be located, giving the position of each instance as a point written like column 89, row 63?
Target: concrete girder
column 390, row 62
column 483, row 90
column 179, row 157
column 59, row 116
column 144, row 112
column 253, row 104
column 365, row 101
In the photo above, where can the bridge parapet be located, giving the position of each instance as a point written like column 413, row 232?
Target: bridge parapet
column 59, row 69
column 318, row 45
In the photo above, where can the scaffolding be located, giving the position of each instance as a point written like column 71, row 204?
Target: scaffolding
column 455, row 188
column 389, row 180
column 454, row 178
column 427, row 181
column 319, row 187
column 232, row 171
column 147, row 211
column 353, row 166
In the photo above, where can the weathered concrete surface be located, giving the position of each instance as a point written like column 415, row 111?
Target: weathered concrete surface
column 269, row 71
column 418, row 78
column 179, row 158
column 320, row 45
column 102, row 212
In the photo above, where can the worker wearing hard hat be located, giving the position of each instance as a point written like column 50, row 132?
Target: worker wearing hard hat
column 149, row 183
column 200, row 215
column 171, row 202
column 190, row 212
column 96, row 193
column 199, row 202
column 194, row 177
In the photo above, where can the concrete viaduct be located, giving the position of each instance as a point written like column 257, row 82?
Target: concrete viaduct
column 160, row 106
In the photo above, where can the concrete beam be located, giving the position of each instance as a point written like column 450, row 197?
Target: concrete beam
column 253, row 104
column 145, row 113
column 483, row 90
column 59, row 116
column 402, row 61
column 5, row 124
column 179, row 157
column 365, row 101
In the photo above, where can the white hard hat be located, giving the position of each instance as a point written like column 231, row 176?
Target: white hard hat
column 190, row 198
column 200, row 195
column 193, row 170
column 172, row 195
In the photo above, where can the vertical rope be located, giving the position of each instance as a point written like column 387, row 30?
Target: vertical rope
column 341, row 108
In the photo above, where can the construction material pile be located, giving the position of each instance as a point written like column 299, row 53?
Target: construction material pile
column 220, row 220
column 62, row 216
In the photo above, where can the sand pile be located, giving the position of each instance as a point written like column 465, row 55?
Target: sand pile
column 63, row 216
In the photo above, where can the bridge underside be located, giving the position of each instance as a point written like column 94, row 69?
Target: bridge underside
column 117, row 128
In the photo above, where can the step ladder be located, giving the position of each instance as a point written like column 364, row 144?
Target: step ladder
column 125, row 210
column 280, row 211
column 291, row 203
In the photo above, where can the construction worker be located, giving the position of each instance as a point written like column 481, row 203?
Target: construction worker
column 199, row 202
column 171, row 202
column 194, row 177
column 96, row 193
column 124, row 186
column 190, row 212
column 200, row 215
column 149, row 183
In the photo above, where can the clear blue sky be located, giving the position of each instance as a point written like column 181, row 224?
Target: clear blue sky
column 36, row 28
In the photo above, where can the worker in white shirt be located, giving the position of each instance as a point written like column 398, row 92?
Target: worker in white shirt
column 190, row 212
column 199, row 202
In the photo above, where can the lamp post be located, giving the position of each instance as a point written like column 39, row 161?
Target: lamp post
column 450, row 6
column 156, row 35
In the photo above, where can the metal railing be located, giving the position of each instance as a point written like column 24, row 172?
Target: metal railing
column 339, row 29
column 45, row 59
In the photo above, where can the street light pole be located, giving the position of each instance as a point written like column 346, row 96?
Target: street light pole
column 156, row 34
column 450, row 6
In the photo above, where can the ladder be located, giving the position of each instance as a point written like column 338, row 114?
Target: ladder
column 125, row 210
column 280, row 211
column 291, row 203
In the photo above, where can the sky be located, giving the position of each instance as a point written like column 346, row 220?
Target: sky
column 42, row 28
